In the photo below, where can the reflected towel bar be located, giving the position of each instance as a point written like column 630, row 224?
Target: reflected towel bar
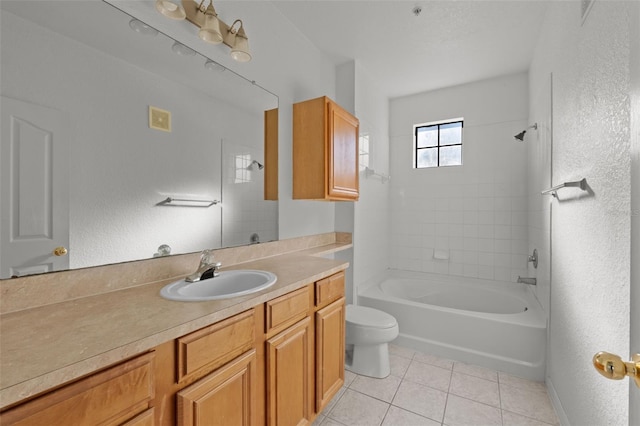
column 371, row 172
column 582, row 184
column 184, row 202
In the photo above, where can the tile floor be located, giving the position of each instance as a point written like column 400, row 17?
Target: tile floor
column 426, row 390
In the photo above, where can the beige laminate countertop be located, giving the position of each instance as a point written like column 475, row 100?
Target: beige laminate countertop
column 44, row 347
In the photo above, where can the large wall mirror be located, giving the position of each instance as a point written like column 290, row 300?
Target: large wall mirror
column 103, row 120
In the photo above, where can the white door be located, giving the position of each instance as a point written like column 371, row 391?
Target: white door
column 34, row 189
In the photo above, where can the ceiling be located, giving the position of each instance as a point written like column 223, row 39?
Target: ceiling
column 447, row 43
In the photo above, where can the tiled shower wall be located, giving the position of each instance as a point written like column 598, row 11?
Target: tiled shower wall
column 475, row 214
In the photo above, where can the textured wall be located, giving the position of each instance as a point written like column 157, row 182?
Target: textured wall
column 590, row 237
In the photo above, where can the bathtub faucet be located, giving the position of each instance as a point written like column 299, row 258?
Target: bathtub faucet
column 530, row 281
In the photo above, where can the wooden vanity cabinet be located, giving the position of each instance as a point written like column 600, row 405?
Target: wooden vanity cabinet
column 289, row 358
column 119, row 395
column 214, row 375
column 325, row 151
column 278, row 363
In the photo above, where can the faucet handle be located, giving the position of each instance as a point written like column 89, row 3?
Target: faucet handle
column 206, row 257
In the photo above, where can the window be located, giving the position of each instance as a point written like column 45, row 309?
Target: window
column 438, row 144
column 363, row 147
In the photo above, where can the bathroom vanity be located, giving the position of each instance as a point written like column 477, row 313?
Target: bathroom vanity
column 131, row 357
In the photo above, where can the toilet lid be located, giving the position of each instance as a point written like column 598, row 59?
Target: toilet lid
column 370, row 317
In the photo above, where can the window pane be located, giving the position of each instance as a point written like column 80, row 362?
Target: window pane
column 451, row 155
column 427, row 157
column 427, row 136
column 450, row 133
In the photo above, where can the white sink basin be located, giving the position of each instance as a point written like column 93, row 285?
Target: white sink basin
column 228, row 284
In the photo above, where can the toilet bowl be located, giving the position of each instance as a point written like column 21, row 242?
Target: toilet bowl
column 368, row 332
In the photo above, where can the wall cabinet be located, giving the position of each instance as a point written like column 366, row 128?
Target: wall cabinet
column 278, row 363
column 325, row 151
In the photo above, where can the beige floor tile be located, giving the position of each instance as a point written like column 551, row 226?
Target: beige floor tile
column 433, row 360
column 421, row 400
column 475, row 388
column 428, row 375
column 475, row 370
column 518, row 382
column 398, row 365
column 383, row 389
column 349, row 377
column 355, row 408
column 462, row 412
column 318, row 421
column 529, row 403
column 333, row 402
column 513, row 419
column 330, row 422
column 401, row 351
column 398, row 417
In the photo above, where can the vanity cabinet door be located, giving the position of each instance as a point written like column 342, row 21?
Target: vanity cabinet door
column 330, row 335
column 226, row 397
column 290, row 376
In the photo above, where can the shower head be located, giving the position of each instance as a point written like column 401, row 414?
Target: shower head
column 520, row 136
column 260, row 166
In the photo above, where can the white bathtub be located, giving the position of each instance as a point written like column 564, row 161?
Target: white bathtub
column 497, row 325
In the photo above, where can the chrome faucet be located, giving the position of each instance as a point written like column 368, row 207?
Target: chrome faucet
column 530, row 281
column 207, row 268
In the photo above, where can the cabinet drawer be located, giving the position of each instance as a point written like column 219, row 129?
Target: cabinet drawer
column 287, row 309
column 329, row 289
column 109, row 397
column 210, row 347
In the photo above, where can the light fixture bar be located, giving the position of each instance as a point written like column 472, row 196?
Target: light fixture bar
column 196, row 16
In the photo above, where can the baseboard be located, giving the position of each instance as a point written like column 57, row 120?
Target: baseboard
column 557, row 405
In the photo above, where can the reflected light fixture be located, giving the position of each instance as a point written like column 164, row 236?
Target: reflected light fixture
column 142, row 28
column 182, row 50
column 213, row 30
column 214, row 66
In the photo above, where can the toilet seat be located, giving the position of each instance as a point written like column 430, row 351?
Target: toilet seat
column 368, row 317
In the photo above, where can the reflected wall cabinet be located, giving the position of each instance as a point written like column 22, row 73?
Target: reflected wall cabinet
column 325, row 151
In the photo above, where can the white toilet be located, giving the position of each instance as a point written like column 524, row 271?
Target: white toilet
column 368, row 332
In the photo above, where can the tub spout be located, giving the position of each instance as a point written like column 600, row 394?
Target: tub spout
column 530, row 281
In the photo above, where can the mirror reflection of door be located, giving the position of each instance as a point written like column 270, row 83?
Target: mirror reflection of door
column 34, row 196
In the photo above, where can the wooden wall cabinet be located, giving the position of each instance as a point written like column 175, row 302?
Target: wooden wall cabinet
column 325, row 151
column 271, row 154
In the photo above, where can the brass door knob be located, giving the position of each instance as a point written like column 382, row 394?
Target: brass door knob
column 60, row 251
column 613, row 367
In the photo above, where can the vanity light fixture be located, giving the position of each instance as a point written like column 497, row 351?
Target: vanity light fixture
column 213, row 30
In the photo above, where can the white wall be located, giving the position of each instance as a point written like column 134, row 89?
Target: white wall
column 372, row 244
column 367, row 219
column 590, row 237
column 476, row 212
